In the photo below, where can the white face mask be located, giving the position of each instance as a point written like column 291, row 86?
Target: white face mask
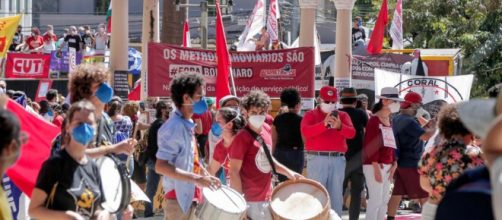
column 257, row 120
column 328, row 108
column 394, row 107
column 496, row 182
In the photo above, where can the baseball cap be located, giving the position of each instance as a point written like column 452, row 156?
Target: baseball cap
column 329, row 94
column 390, row 93
column 411, row 98
column 479, row 114
column 228, row 98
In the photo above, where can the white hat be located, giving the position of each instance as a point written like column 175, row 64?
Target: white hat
column 228, row 98
column 390, row 93
column 478, row 114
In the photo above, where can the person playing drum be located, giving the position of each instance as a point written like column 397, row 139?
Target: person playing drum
column 250, row 168
column 230, row 122
column 177, row 149
column 89, row 82
column 69, row 185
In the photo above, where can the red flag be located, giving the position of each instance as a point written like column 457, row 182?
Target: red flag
column 376, row 40
column 224, row 65
column 24, row 172
column 135, row 94
column 186, row 35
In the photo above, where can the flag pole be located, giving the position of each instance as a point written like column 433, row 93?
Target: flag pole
column 232, row 82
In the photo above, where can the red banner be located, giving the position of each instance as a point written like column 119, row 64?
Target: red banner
column 270, row 71
column 22, row 65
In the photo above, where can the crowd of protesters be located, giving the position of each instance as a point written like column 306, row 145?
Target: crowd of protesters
column 83, row 39
column 340, row 144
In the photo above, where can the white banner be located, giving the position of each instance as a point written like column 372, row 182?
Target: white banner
column 255, row 23
column 449, row 89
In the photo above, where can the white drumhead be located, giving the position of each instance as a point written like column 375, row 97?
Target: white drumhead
column 225, row 199
column 112, row 185
column 299, row 201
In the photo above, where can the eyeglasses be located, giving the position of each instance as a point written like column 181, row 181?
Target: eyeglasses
column 329, row 102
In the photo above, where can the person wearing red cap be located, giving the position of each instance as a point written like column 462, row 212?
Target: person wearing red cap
column 410, row 137
column 326, row 130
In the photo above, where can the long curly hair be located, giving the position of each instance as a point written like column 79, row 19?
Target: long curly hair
column 83, row 77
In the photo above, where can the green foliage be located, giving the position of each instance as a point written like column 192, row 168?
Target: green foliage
column 475, row 26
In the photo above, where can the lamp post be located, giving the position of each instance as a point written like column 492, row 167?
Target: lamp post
column 119, row 47
column 343, row 49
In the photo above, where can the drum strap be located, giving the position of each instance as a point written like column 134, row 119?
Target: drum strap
column 267, row 152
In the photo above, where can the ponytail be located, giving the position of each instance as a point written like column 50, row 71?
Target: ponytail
column 377, row 107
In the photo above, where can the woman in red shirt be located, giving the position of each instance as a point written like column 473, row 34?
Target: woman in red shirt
column 35, row 42
column 230, row 121
column 379, row 162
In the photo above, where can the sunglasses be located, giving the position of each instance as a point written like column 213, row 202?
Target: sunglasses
column 329, row 102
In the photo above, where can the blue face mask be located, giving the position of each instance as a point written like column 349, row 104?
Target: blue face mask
column 359, row 23
column 200, row 106
column 104, row 93
column 216, row 129
column 83, row 134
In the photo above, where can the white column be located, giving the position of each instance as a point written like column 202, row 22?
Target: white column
column 343, row 50
column 150, row 34
column 5, row 8
column 307, row 22
column 13, row 6
column 120, row 37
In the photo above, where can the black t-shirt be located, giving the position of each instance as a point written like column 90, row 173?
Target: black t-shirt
column 16, row 40
column 87, row 39
column 76, row 187
column 358, row 33
column 359, row 120
column 153, row 147
column 73, row 41
column 106, row 131
column 289, row 135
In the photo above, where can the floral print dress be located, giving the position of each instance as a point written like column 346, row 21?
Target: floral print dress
column 446, row 162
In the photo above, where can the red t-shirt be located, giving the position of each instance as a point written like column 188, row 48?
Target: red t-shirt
column 35, row 42
column 58, row 121
column 256, row 172
column 373, row 148
column 221, row 155
column 269, row 120
column 48, row 37
column 206, row 119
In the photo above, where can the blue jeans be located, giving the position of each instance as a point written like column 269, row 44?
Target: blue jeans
column 330, row 172
column 152, row 182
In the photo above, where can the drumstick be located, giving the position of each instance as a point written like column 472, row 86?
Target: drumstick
column 134, row 133
column 207, row 173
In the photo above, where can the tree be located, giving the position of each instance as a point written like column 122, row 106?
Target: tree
column 475, row 26
column 172, row 23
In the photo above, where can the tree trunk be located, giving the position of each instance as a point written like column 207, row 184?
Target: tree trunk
column 172, row 23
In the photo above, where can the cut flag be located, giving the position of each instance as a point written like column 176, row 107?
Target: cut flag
column 396, row 28
column 109, row 18
column 224, row 65
column 376, row 39
column 253, row 27
column 9, row 27
column 186, row 35
column 24, row 172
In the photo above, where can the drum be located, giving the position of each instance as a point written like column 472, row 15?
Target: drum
column 222, row 204
column 300, row 199
column 115, row 184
